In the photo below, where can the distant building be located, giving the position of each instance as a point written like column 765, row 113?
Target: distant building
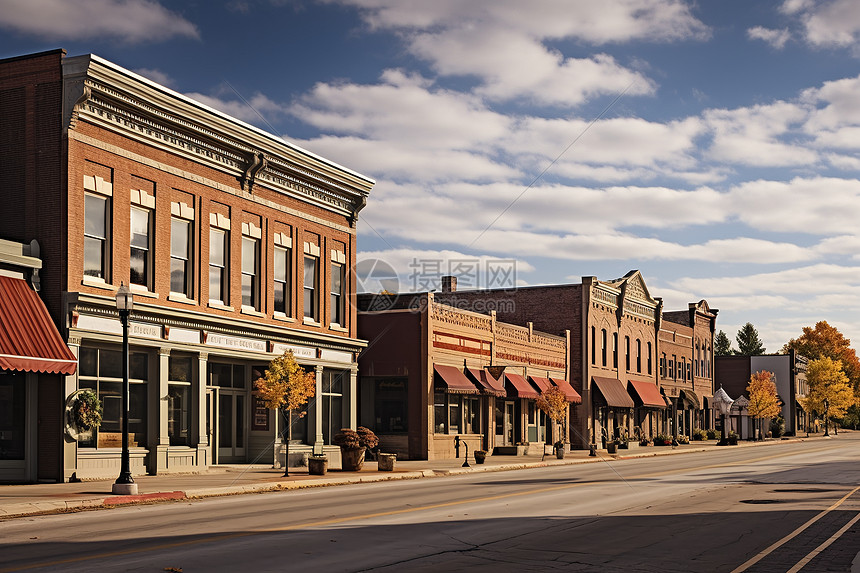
column 434, row 377
column 733, row 374
column 236, row 244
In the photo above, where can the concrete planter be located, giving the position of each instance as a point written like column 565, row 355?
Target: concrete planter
column 386, row 462
column 352, row 460
column 317, row 465
column 611, row 447
column 480, row 456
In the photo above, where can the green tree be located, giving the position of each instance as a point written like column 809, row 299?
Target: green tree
column 764, row 402
column 748, row 341
column 826, row 341
column 286, row 385
column 827, row 381
column 722, row 345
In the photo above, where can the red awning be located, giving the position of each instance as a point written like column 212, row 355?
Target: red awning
column 613, row 392
column 455, row 380
column 542, row 383
column 520, row 387
column 572, row 395
column 649, row 394
column 488, row 384
column 29, row 340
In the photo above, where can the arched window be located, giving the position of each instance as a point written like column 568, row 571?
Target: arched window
column 603, row 346
column 593, row 345
column 649, row 357
column 638, row 355
column 627, row 352
column 615, row 350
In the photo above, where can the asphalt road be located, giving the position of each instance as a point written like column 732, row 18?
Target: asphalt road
column 786, row 507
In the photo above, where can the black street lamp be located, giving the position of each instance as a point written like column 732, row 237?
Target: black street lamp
column 826, row 418
column 124, row 484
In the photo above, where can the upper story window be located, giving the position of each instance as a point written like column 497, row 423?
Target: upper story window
column 142, row 215
column 251, row 235
column 141, row 253
column 181, row 249
column 97, row 224
column 627, row 352
column 336, row 294
column 311, row 283
column 603, row 349
column 638, row 355
column 649, row 357
column 219, row 257
column 663, row 366
column 593, row 345
column 615, row 350
column 282, row 274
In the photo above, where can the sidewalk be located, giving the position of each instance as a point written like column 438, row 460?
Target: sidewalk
column 31, row 499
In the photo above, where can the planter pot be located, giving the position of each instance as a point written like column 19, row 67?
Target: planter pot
column 480, row 456
column 352, row 460
column 386, row 462
column 559, row 453
column 317, row 465
column 623, row 445
column 611, row 448
column 732, row 441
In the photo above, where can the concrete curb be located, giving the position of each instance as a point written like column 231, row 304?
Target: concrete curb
column 43, row 507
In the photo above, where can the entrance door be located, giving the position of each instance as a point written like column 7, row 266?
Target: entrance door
column 230, row 427
column 509, row 424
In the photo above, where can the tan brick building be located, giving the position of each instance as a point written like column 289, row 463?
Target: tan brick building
column 236, row 244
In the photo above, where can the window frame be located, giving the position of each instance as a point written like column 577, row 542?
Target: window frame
column 284, row 281
column 188, row 261
column 310, row 299
column 223, row 267
column 250, row 273
column 148, row 251
column 104, row 241
column 337, row 308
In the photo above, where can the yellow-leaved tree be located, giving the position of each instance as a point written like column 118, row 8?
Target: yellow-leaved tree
column 827, row 381
column 553, row 402
column 286, row 385
column 764, row 403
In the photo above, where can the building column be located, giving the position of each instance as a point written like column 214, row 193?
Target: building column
column 70, row 384
column 162, row 440
column 318, row 412
column 199, row 412
column 352, row 399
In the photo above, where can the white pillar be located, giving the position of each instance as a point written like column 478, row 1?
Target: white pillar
column 318, row 411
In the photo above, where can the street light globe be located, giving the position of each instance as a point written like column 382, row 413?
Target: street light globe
column 124, row 298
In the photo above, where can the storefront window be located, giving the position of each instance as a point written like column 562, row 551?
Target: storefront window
column 471, row 420
column 332, row 397
column 439, row 413
column 390, row 405
column 12, row 416
column 179, row 400
column 101, row 371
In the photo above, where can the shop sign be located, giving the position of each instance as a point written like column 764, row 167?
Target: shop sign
column 260, row 423
column 113, row 326
column 235, row 342
column 183, row 335
column 337, row 356
column 298, row 351
column 143, row 330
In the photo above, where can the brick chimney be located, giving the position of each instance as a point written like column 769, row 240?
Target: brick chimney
column 449, row 283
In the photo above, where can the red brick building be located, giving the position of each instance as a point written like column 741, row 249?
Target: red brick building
column 236, row 244
column 434, row 376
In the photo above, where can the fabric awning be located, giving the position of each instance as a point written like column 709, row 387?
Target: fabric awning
column 29, row 340
column 613, row 392
column 543, row 384
column 487, row 383
column 519, row 386
column 572, row 395
column 454, row 380
column 648, row 394
column 692, row 398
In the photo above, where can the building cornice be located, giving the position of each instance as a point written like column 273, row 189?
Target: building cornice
column 101, row 93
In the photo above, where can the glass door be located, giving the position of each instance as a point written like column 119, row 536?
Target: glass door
column 509, row 424
column 231, row 426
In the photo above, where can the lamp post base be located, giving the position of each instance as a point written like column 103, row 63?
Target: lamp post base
column 124, row 489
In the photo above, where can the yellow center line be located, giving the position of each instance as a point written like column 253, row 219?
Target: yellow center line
column 812, row 554
column 337, row 520
column 752, row 561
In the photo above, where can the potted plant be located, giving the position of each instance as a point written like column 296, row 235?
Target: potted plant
column 732, row 439
column 662, row 440
column 317, row 465
column 612, row 447
column 353, row 444
column 480, row 456
column 644, row 442
column 683, row 440
column 623, row 442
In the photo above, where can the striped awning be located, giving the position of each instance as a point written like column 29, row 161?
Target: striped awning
column 29, row 340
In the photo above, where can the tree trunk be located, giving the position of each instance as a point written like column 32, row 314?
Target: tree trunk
column 289, row 417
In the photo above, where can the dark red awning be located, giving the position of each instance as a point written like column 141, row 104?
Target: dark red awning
column 543, row 384
column 613, row 392
column 520, row 386
column 29, row 340
column 572, row 395
column 649, row 394
column 454, row 379
column 489, row 384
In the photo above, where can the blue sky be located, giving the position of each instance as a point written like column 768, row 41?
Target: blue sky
column 714, row 146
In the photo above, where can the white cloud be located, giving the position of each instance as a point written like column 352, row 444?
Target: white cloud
column 132, row 21
column 776, row 38
column 157, row 76
column 827, row 23
column 257, row 110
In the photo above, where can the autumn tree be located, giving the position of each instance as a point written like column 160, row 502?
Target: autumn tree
column 748, row 341
column 825, row 341
column 554, row 404
column 764, row 402
column 827, row 380
column 286, row 385
column 722, row 345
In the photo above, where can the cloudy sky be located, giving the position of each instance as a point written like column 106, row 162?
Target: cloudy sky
column 714, row 146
